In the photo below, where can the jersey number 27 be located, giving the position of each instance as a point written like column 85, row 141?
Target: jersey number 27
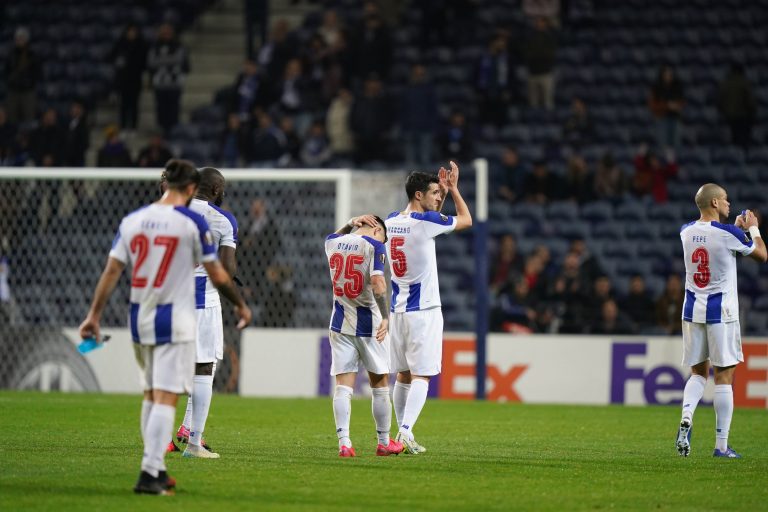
column 140, row 247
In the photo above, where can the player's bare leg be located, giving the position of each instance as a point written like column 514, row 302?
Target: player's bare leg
column 723, row 404
column 382, row 415
column 153, row 478
column 202, row 390
column 694, row 390
column 417, row 397
column 342, row 411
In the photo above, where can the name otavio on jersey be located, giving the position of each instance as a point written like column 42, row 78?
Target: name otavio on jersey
column 347, row 247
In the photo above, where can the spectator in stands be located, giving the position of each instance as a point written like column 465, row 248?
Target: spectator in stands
column 456, row 139
column 539, row 53
column 588, row 263
column 579, row 183
column 568, row 294
column 534, row 275
column 7, row 139
column 113, row 153
column 316, row 151
column 495, row 82
column 738, row 106
column 514, row 311
column 235, row 142
column 652, row 175
column 338, row 65
column 612, row 320
column 292, row 147
column 331, row 29
column 278, row 301
column 548, row 9
column 540, row 186
column 610, row 180
column 280, row 48
column 260, row 243
column 314, row 62
column 291, row 95
column 509, row 176
column 638, row 305
column 578, row 129
column 251, row 90
column 22, row 74
column 507, row 262
column 268, row 142
column 155, row 153
column 666, row 102
column 602, row 291
column 48, row 141
column 338, row 125
column 418, row 118
column 669, row 307
column 129, row 57
column 78, row 136
column 370, row 120
column 373, row 46
column 168, row 64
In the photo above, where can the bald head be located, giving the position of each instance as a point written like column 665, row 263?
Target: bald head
column 707, row 193
column 211, row 185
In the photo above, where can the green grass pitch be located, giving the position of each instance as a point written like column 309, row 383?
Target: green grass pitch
column 81, row 452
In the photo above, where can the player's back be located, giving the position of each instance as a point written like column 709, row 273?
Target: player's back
column 223, row 228
column 709, row 249
column 353, row 260
column 412, row 258
column 164, row 245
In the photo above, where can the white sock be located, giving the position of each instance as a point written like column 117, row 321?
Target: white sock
column 202, row 389
column 694, row 390
column 723, row 414
column 146, row 406
column 417, row 397
column 158, row 431
column 342, row 412
column 187, row 423
column 382, row 413
column 399, row 397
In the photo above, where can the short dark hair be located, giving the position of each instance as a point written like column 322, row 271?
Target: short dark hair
column 419, row 182
column 180, row 173
column 210, row 178
column 383, row 224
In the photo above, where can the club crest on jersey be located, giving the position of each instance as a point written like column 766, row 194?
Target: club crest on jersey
column 444, row 218
column 382, row 258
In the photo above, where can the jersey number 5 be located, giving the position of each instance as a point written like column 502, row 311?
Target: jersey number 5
column 399, row 263
column 354, row 284
column 140, row 247
column 703, row 275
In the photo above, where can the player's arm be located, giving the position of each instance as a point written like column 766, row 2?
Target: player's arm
column 228, row 260
column 380, row 294
column 223, row 282
column 463, row 216
column 356, row 222
column 109, row 277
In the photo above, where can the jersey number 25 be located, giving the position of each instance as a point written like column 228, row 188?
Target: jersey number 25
column 353, row 286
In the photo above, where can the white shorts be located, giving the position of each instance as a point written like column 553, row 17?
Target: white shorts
column 417, row 341
column 210, row 335
column 720, row 343
column 347, row 351
column 169, row 367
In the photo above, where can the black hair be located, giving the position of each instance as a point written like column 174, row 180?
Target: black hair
column 180, row 173
column 210, row 177
column 419, row 182
column 381, row 222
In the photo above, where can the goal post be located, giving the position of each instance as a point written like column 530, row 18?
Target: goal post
column 480, row 228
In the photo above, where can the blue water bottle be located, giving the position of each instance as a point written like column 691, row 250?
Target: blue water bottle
column 89, row 344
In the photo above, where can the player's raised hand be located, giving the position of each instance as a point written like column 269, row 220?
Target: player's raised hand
column 741, row 219
column 90, row 328
column 244, row 314
column 442, row 175
column 367, row 219
column 381, row 332
column 750, row 219
column 453, row 176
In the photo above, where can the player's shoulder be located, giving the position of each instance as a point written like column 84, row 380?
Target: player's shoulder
column 732, row 229
column 434, row 217
column 226, row 215
column 687, row 225
column 333, row 236
column 392, row 215
column 193, row 216
column 378, row 246
column 136, row 214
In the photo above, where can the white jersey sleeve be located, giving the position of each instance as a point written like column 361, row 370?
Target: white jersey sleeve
column 223, row 228
column 736, row 240
column 435, row 223
column 120, row 250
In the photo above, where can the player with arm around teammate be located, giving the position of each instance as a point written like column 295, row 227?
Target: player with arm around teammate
column 210, row 329
column 416, row 327
column 163, row 242
column 359, row 323
column 711, row 331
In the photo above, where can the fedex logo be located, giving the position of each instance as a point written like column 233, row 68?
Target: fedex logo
column 663, row 384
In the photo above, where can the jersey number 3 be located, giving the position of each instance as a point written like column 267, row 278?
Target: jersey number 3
column 703, row 275
column 140, row 247
column 354, row 284
column 399, row 263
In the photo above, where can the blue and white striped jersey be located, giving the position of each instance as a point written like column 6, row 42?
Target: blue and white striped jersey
column 710, row 250
column 163, row 244
column 223, row 228
column 353, row 259
column 412, row 258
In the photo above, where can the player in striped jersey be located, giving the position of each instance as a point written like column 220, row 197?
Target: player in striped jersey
column 163, row 242
column 711, row 332
column 417, row 320
column 359, row 322
column 210, row 329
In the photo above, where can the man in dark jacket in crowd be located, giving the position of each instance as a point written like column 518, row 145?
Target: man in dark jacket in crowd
column 22, row 72
column 168, row 65
column 539, row 52
column 737, row 105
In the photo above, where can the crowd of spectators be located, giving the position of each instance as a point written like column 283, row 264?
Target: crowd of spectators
column 533, row 293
